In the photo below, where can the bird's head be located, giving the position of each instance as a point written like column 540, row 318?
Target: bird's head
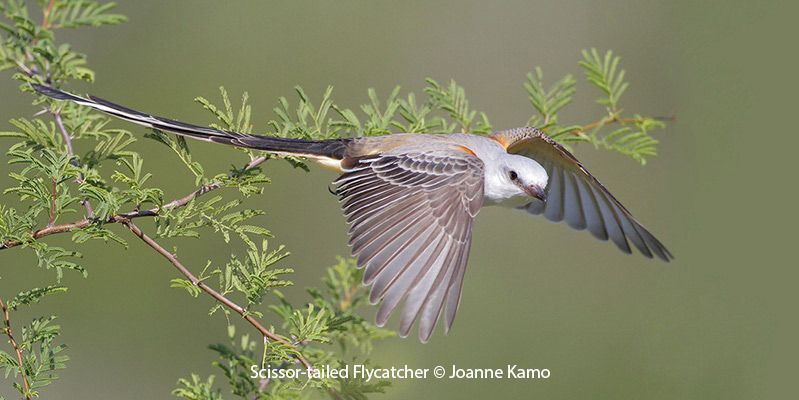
column 516, row 177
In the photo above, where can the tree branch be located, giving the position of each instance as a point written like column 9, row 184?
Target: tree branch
column 126, row 220
column 17, row 349
column 152, row 212
column 50, row 230
column 177, row 203
column 210, row 291
column 614, row 119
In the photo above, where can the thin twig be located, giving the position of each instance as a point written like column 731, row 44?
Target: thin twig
column 17, row 349
column 47, row 12
column 64, row 134
column 68, row 142
column 613, row 119
column 177, row 203
column 262, row 384
column 207, row 289
column 24, row 69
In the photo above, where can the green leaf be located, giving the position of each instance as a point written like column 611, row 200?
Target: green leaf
column 379, row 121
column 180, row 147
column 78, row 13
column 51, row 257
column 605, row 74
column 255, row 275
column 43, row 357
column 452, row 99
column 34, row 295
column 96, row 231
column 197, row 389
column 633, row 139
column 548, row 101
column 306, row 120
column 180, row 283
column 310, row 326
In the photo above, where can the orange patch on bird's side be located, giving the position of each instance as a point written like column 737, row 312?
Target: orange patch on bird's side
column 467, row 150
column 500, row 140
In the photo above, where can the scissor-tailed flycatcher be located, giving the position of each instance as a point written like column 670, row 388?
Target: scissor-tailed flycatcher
column 410, row 200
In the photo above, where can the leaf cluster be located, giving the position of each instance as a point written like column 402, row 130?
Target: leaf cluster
column 43, row 357
column 329, row 317
column 445, row 109
column 630, row 136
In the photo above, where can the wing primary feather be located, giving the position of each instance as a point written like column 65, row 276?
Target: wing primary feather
column 553, row 209
column 421, row 294
column 404, row 213
column 378, row 246
column 391, row 196
column 573, row 210
column 395, row 294
column 456, row 286
column 629, row 230
column 398, row 263
column 658, row 248
column 593, row 214
column 612, row 224
column 434, row 303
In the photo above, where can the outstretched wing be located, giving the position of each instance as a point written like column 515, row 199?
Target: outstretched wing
column 410, row 216
column 576, row 196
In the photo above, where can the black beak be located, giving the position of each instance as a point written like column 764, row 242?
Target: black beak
column 536, row 192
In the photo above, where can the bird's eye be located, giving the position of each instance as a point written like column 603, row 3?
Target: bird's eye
column 513, row 175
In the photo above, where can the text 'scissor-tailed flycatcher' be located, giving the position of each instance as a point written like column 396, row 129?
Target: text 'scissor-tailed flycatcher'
column 410, row 200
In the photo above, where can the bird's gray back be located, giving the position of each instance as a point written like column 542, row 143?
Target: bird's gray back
column 481, row 146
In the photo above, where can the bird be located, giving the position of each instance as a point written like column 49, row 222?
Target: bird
column 410, row 200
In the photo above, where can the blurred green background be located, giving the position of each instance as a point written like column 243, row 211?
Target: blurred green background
column 718, row 322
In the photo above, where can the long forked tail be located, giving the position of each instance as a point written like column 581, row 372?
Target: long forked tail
column 334, row 148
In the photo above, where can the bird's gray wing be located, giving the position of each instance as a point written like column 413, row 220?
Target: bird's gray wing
column 577, row 197
column 410, row 216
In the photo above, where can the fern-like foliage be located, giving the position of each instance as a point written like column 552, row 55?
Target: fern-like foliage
column 197, row 389
column 74, row 14
column 42, row 360
column 548, row 101
column 605, row 74
column 633, row 137
column 452, row 99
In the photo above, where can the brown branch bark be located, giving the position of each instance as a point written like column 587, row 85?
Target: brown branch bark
column 208, row 290
column 7, row 330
